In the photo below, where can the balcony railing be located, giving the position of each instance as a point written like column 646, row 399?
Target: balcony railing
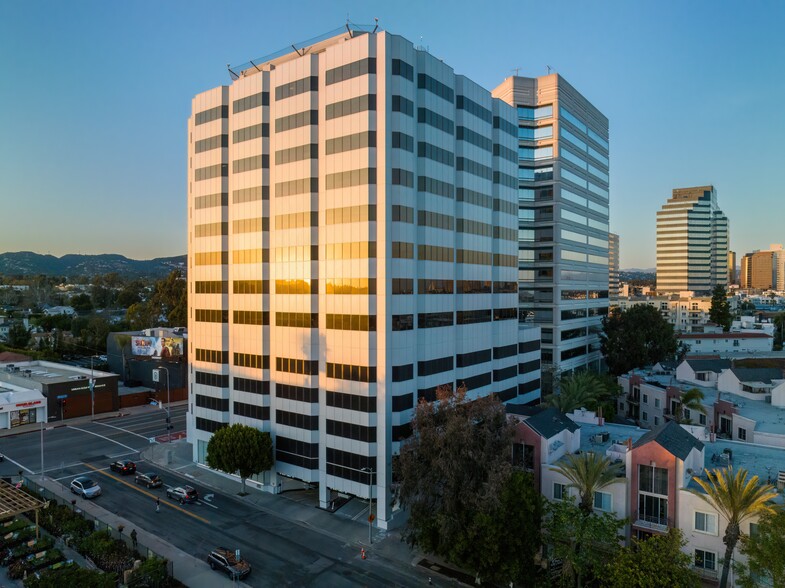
column 653, row 523
column 706, row 574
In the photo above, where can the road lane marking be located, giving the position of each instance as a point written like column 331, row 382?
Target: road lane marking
column 121, row 429
column 150, row 494
column 19, row 465
column 102, row 437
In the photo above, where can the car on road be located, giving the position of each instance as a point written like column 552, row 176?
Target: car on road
column 183, row 494
column 149, row 479
column 123, row 466
column 224, row 560
column 85, row 487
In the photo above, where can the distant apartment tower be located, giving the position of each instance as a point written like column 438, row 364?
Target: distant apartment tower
column 563, row 216
column 764, row 269
column 353, row 245
column 692, row 242
column 732, row 277
column 613, row 265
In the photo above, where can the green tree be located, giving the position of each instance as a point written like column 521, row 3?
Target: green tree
column 651, row 563
column 141, row 316
column 18, row 336
column 691, row 400
column 583, row 543
column 737, row 499
column 588, row 472
column 171, row 299
column 240, row 449
column 585, row 390
column 152, row 573
column 94, row 334
column 82, row 304
column 765, row 551
column 719, row 313
column 72, row 575
column 458, row 485
column 779, row 330
column 637, row 337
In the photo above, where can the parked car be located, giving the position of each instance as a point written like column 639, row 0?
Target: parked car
column 149, row 479
column 224, row 559
column 85, row 487
column 123, row 466
column 182, row 494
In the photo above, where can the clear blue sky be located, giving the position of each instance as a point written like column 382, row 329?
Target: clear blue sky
column 95, row 94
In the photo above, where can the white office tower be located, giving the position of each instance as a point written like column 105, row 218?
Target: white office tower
column 692, row 242
column 563, row 174
column 353, row 239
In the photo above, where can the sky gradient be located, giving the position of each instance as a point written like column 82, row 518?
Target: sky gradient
column 95, row 96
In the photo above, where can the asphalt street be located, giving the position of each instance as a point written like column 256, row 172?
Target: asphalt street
column 282, row 552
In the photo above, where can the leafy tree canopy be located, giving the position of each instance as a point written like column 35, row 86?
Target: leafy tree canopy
column 582, row 542
column 637, row 337
column 652, row 563
column 466, row 504
column 765, row 551
column 18, row 336
column 240, row 449
column 81, row 303
column 719, row 312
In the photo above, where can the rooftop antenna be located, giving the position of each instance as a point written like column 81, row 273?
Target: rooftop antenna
column 517, row 71
column 377, row 25
column 549, row 69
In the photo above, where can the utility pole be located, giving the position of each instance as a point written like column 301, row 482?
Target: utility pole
column 370, row 473
column 168, row 404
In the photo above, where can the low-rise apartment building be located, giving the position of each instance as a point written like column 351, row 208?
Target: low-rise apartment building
column 685, row 311
column 655, row 488
column 727, row 343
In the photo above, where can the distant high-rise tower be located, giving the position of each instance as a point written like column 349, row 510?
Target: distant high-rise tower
column 692, row 242
column 764, row 269
column 352, row 246
column 613, row 265
column 732, row 278
column 563, row 192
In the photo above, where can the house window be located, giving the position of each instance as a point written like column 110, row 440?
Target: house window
column 697, row 341
column 705, row 560
column 706, row 523
column 687, row 415
column 560, row 491
column 645, row 416
column 602, row 501
column 656, row 421
column 753, row 529
column 735, row 342
column 656, row 403
column 702, row 419
column 742, row 434
column 645, row 399
column 653, row 494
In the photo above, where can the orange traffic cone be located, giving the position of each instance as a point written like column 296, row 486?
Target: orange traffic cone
column 362, row 552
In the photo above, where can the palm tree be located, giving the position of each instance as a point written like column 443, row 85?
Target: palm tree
column 691, row 400
column 736, row 499
column 578, row 390
column 588, row 472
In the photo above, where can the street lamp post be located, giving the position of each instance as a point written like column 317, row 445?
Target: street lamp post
column 370, row 473
column 92, row 390
column 168, row 415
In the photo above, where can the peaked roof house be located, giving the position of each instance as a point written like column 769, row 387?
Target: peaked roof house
column 753, row 383
column 542, row 439
column 661, row 462
column 702, row 372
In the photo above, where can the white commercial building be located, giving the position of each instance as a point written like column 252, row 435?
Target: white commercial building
column 353, row 245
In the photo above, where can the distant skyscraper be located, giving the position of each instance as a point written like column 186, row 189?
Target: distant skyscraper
column 692, row 242
column 353, row 245
column 764, row 269
column 563, row 180
column 732, row 278
column 613, row 265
